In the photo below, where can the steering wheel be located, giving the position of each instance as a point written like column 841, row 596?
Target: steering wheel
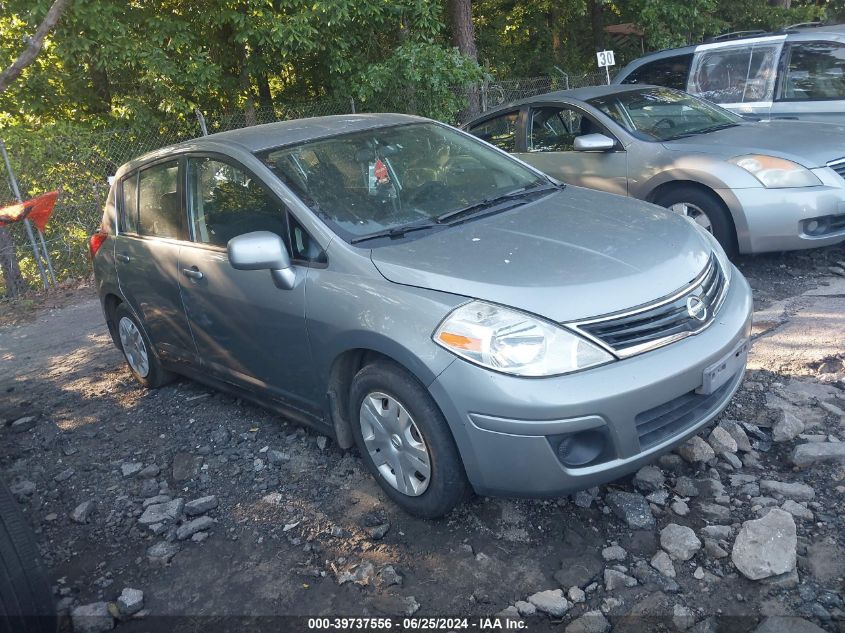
column 432, row 187
column 664, row 124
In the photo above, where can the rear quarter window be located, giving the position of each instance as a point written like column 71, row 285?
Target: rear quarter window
column 671, row 72
column 160, row 211
column 129, row 204
column 814, row 71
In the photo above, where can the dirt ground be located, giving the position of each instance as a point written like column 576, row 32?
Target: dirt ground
column 300, row 528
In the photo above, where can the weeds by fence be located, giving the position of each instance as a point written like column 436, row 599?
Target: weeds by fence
column 81, row 164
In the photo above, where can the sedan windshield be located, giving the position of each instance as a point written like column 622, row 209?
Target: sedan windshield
column 662, row 114
column 388, row 181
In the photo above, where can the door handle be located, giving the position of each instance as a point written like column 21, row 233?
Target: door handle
column 192, row 272
column 123, row 257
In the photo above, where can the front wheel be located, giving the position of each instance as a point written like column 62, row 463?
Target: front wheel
column 405, row 441
column 704, row 209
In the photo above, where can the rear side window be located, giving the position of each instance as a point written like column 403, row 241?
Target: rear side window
column 737, row 74
column 815, row 71
column 500, row 131
column 129, row 205
column 160, row 210
column 671, row 72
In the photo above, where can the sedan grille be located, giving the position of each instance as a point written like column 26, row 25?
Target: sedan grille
column 670, row 319
column 838, row 166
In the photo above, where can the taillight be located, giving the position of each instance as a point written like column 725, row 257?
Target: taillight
column 95, row 242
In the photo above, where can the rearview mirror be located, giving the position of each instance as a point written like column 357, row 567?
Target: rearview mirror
column 262, row 250
column 594, row 143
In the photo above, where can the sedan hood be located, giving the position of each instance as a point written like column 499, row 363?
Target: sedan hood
column 571, row 255
column 807, row 143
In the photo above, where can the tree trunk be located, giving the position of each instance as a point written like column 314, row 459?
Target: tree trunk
column 597, row 22
column 34, row 45
column 463, row 31
column 9, row 263
column 783, row 4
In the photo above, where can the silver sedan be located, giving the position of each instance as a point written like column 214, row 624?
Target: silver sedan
column 756, row 185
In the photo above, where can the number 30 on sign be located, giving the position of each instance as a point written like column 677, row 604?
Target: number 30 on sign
column 606, row 58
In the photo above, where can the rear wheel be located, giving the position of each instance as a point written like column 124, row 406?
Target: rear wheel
column 138, row 351
column 705, row 209
column 26, row 601
column 405, row 441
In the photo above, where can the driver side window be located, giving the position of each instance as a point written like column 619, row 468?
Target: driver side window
column 554, row 129
column 226, row 201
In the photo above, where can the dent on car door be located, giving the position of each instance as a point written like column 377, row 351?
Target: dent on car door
column 812, row 82
column 247, row 330
column 150, row 230
column 550, row 137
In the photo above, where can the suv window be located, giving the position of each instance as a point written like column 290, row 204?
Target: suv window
column 736, row 74
column 555, row 129
column 671, row 72
column 129, row 206
column 500, row 131
column 815, row 72
column 226, row 201
column 160, row 210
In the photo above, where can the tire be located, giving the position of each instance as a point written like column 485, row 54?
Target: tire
column 446, row 485
column 26, row 600
column 721, row 224
column 149, row 373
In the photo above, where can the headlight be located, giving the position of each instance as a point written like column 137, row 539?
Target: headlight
column 723, row 259
column 514, row 342
column 776, row 173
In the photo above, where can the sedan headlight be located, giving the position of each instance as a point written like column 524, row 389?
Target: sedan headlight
column 515, row 343
column 776, row 173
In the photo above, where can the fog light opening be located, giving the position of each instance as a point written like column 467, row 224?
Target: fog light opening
column 579, row 449
column 817, row 226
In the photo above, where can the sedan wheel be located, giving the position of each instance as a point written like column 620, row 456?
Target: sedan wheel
column 134, row 347
column 693, row 212
column 395, row 444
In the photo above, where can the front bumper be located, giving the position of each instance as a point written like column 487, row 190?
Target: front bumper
column 505, row 426
column 779, row 219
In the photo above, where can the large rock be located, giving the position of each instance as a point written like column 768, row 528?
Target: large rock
column 92, row 618
column 721, row 441
column 817, row 453
column 799, row 492
column 614, row 579
column 130, row 601
column 738, row 434
column 696, row 450
column 662, row 562
column 649, row 479
column 550, row 601
column 192, row 527
column 767, row 546
column 590, row 622
column 162, row 512
column 679, row 541
column 631, row 508
column 82, row 512
column 201, row 505
column 778, row 624
column 161, row 553
column 787, row 427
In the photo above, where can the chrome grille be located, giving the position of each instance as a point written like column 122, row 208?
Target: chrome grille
column 664, row 321
column 838, row 166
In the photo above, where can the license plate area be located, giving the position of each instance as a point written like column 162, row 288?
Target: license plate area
column 722, row 370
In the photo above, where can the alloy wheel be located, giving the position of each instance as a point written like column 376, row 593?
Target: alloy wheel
column 694, row 213
column 134, row 347
column 395, row 444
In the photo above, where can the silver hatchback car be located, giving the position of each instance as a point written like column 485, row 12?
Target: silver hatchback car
column 466, row 322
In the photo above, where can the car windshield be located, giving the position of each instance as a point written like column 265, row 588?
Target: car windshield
column 392, row 179
column 663, row 114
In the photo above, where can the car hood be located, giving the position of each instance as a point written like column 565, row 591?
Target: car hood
column 808, row 143
column 571, row 255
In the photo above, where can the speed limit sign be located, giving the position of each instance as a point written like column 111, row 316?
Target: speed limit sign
column 606, row 60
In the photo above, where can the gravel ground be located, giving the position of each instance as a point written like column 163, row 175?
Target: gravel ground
column 213, row 507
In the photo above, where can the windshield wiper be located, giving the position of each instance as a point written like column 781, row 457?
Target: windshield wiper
column 490, row 202
column 712, row 128
column 394, row 233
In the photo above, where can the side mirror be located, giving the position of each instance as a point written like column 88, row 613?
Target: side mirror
column 594, row 143
column 262, row 250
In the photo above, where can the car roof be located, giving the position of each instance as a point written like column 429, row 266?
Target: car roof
column 828, row 29
column 263, row 137
column 577, row 94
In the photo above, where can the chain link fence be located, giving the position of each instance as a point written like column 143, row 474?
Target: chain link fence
column 80, row 165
